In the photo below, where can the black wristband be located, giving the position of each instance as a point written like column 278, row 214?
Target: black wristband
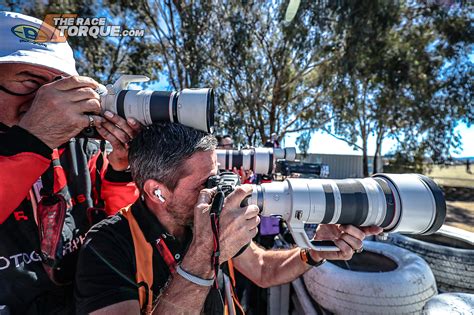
column 306, row 257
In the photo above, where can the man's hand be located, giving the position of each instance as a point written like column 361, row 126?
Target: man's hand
column 197, row 260
column 238, row 225
column 119, row 132
column 58, row 111
column 347, row 238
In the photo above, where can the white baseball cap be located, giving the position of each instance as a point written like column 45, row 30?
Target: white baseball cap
column 18, row 33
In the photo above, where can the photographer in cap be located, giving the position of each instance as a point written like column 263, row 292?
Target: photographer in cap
column 155, row 255
column 52, row 184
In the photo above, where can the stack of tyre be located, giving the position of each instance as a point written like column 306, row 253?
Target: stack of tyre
column 449, row 253
column 400, row 275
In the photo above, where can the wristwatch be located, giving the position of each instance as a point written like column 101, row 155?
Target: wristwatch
column 306, row 257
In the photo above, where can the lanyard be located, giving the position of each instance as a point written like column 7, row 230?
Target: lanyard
column 166, row 254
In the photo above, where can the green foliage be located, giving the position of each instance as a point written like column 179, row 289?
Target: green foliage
column 264, row 69
column 408, row 160
column 398, row 70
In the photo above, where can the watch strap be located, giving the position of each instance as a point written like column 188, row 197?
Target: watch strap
column 306, row 258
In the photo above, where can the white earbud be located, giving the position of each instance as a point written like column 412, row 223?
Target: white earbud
column 158, row 194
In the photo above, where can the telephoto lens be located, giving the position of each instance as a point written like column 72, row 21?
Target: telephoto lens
column 259, row 160
column 190, row 107
column 407, row 203
column 288, row 154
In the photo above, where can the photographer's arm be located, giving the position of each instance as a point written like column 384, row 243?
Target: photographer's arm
column 268, row 268
column 118, row 190
column 182, row 296
column 274, row 267
column 23, row 158
column 55, row 116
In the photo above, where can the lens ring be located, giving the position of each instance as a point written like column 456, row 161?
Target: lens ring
column 440, row 203
column 174, row 107
column 210, row 110
column 389, row 199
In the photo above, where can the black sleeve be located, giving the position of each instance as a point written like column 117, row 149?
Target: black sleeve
column 106, row 267
column 16, row 140
column 117, row 176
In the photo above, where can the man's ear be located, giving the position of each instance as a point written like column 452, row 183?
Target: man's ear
column 155, row 191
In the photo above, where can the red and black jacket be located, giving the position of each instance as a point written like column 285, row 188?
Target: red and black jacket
column 71, row 171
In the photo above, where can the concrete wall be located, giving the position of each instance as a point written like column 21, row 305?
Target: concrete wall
column 342, row 166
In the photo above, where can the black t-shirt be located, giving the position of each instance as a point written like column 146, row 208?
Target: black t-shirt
column 106, row 271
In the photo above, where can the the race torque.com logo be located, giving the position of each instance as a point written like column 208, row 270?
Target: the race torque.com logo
column 58, row 27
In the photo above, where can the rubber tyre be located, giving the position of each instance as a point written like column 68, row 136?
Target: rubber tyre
column 450, row 254
column 403, row 285
column 450, row 303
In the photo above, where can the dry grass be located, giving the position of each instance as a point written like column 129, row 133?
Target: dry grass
column 455, row 176
column 458, row 185
column 460, row 214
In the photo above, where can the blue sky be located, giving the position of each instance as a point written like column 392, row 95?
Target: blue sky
column 324, row 143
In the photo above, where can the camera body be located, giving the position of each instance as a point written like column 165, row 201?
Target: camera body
column 225, row 181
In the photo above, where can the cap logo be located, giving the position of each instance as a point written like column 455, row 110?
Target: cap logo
column 29, row 33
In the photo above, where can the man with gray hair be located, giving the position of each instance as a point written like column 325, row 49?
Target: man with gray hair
column 155, row 256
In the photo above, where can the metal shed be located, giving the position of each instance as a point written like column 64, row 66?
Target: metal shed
column 342, row 166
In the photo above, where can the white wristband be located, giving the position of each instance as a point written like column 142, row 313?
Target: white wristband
column 194, row 279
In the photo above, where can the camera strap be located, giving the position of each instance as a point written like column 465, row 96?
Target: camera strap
column 51, row 213
column 97, row 212
column 216, row 302
column 214, row 214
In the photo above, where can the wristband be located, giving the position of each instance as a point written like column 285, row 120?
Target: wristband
column 193, row 278
column 306, row 258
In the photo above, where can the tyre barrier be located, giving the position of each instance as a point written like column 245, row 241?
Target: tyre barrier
column 383, row 279
column 450, row 303
column 450, row 254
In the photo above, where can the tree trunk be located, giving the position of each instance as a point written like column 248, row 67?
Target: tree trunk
column 378, row 148
column 365, row 159
column 375, row 162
